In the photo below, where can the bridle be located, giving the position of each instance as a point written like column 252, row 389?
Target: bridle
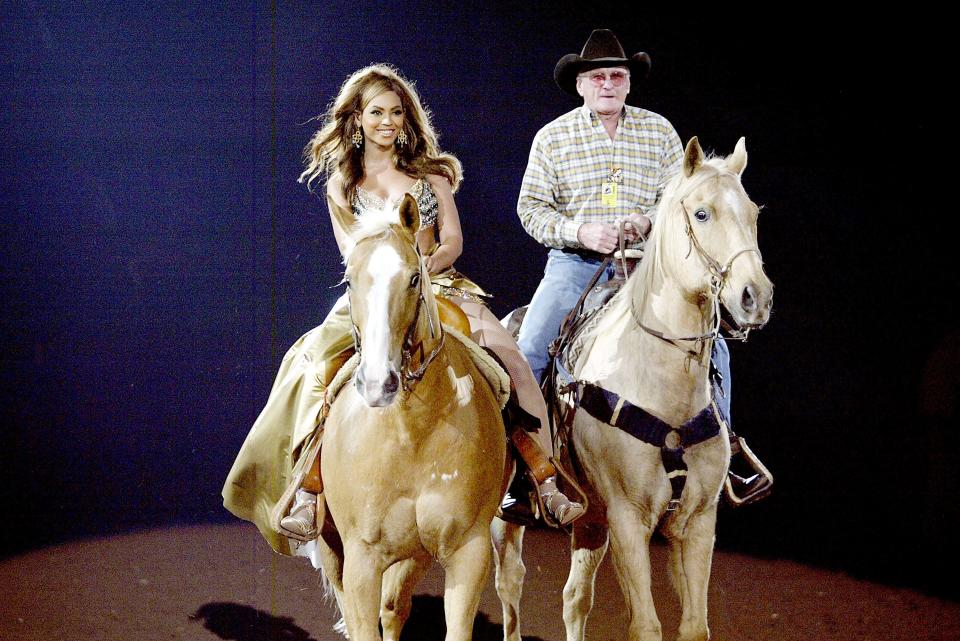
column 719, row 274
column 410, row 348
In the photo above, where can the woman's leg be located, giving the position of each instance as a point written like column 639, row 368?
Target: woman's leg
column 533, row 445
column 487, row 331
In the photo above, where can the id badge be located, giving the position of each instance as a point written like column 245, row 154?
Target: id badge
column 608, row 194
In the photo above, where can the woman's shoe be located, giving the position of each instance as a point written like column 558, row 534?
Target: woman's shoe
column 563, row 510
column 302, row 519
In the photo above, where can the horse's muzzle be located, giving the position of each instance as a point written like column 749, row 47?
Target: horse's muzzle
column 378, row 391
column 754, row 305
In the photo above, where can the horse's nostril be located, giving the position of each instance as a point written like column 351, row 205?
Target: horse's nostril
column 393, row 382
column 747, row 300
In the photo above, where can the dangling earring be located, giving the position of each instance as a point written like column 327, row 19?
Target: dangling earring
column 357, row 139
column 401, row 138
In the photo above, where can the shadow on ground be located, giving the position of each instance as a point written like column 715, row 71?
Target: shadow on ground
column 426, row 623
column 243, row 623
column 237, row 622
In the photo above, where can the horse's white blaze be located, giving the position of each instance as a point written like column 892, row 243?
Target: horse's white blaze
column 383, row 266
column 463, row 386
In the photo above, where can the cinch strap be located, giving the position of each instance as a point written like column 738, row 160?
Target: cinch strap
column 614, row 410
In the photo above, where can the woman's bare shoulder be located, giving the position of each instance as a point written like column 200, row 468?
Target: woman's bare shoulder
column 440, row 184
column 335, row 190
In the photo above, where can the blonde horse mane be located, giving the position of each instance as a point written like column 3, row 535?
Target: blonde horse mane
column 374, row 222
column 644, row 279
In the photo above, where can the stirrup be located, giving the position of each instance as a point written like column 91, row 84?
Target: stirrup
column 741, row 491
column 556, row 508
column 302, row 519
column 284, row 506
column 570, row 486
column 524, row 505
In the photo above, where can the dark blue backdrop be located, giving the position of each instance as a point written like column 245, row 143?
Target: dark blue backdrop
column 159, row 256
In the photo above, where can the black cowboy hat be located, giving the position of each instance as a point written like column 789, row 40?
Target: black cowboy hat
column 602, row 50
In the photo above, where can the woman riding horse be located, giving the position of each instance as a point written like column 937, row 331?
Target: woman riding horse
column 376, row 145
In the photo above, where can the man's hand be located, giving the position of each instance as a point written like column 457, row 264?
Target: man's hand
column 637, row 227
column 600, row 237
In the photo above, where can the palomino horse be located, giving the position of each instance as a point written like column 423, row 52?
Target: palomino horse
column 650, row 348
column 413, row 452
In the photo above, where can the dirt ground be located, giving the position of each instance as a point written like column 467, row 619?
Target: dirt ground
column 223, row 582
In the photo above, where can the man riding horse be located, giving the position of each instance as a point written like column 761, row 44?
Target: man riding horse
column 594, row 169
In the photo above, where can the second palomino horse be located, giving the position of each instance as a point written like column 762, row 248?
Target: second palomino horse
column 413, row 452
column 646, row 439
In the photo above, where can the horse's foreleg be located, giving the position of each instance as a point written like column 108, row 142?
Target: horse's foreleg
column 587, row 549
column 466, row 572
column 630, row 540
column 362, row 579
column 397, row 594
column 691, row 556
column 508, row 558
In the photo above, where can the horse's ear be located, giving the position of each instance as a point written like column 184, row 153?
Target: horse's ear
column 692, row 157
column 737, row 161
column 410, row 214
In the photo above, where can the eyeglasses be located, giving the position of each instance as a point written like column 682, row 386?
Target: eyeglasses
column 598, row 78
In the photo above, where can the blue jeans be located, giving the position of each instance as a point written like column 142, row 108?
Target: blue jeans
column 721, row 360
column 564, row 279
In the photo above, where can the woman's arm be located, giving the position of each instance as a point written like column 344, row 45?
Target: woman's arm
column 335, row 198
column 448, row 222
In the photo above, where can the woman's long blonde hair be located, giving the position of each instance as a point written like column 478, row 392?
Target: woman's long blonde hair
column 332, row 151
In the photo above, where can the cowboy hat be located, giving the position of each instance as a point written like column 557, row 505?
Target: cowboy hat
column 602, row 50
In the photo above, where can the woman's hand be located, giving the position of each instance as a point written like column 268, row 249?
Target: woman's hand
column 439, row 260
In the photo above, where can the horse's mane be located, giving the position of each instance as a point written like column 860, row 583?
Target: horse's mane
column 643, row 280
column 373, row 222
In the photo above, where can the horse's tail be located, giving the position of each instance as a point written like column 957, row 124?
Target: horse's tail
column 330, row 593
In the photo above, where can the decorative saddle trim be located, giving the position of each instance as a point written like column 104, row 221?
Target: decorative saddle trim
column 615, row 410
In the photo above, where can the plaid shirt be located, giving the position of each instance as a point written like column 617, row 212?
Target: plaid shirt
column 572, row 157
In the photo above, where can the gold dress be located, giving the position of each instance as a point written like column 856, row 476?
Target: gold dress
column 264, row 464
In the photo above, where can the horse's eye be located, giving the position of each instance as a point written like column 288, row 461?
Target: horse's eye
column 415, row 280
column 702, row 215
